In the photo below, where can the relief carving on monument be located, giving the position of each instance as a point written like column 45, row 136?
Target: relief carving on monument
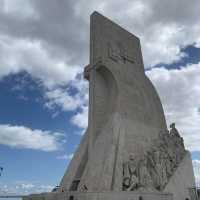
column 154, row 169
column 130, row 173
column 117, row 52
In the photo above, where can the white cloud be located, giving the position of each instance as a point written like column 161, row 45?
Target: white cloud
column 15, row 8
column 196, row 167
column 63, row 99
column 81, row 118
column 24, row 188
column 179, row 90
column 24, row 137
column 27, row 186
column 31, row 56
column 65, row 157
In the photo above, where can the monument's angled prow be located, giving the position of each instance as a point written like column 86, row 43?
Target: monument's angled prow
column 127, row 151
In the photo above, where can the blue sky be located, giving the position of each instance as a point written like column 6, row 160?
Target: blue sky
column 23, row 105
column 44, row 46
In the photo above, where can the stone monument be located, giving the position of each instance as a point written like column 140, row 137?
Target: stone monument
column 127, row 151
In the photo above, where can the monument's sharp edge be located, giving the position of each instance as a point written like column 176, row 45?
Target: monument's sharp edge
column 182, row 180
column 79, row 159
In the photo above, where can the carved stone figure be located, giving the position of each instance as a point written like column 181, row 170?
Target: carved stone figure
column 130, row 173
column 168, row 164
column 162, row 159
column 154, row 169
column 145, row 179
column 174, row 131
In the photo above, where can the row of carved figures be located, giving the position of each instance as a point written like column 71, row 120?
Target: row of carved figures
column 153, row 169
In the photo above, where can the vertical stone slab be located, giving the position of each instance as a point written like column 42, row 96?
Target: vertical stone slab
column 76, row 165
column 120, row 52
column 125, row 112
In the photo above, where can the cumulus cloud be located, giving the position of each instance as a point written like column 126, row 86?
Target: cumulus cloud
column 15, row 9
column 63, row 99
column 66, row 101
column 179, row 90
column 80, row 119
column 26, row 138
column 30, row 56
column 24, row 188
column 65, row 157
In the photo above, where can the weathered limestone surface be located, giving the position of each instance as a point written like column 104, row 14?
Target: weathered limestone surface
column 127, row 150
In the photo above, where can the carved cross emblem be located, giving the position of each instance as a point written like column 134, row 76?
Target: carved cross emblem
column 118, row 53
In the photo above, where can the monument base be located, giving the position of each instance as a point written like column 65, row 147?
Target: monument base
column 100, row 196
